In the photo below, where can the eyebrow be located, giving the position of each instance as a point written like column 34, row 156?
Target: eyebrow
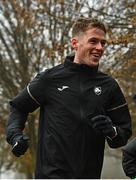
column 93, row 38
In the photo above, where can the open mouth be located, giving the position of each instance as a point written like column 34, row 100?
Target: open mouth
column 96, row 55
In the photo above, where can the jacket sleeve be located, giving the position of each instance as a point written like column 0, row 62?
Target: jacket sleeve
column 129, row 159
column 15, row 124
column 118, row 112
column 32, row 96
column 130, row 148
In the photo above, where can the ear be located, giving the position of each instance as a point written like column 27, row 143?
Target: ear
column 74, row 43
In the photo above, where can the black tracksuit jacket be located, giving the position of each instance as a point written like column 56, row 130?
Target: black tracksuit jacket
column 68, row 96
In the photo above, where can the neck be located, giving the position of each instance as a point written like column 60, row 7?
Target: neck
column 76, row 59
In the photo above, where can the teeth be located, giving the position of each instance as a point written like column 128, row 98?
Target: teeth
column 96, row 55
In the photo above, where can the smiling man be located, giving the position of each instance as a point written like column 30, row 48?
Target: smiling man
column 89, row 45
column 80, row 108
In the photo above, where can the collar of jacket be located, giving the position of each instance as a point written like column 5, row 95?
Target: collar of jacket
column 79, row 67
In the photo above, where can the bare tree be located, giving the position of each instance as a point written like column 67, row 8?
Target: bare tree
column 34, row 35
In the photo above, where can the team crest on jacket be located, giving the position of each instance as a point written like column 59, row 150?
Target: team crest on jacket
column 98, row 90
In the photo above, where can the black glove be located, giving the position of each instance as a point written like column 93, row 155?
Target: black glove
column 20, row 144
column 104, row 125
column 129, row 164
column 129, row 159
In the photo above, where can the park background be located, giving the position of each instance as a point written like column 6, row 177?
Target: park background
column 35, row 35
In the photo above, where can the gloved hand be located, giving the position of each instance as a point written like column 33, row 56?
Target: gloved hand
column 104, row 125
column 129, row 164
column 129, row 159
column 20, row 144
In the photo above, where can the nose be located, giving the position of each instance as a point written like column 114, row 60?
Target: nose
column 99, row 46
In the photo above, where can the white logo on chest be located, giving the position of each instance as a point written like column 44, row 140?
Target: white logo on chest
column 97, row 90
column 63, row 87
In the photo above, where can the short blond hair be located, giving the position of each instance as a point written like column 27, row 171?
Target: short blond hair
column 83, row 24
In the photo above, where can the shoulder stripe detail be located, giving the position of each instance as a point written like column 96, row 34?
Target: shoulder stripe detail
column 112, row 109
column 28, row 90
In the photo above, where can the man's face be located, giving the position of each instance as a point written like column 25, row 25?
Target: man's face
column 89, row 47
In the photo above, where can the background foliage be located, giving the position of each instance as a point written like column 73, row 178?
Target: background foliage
column 35, row 35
